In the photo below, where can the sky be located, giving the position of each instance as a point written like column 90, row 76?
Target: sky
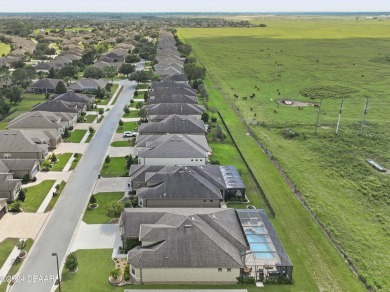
column 194, row 6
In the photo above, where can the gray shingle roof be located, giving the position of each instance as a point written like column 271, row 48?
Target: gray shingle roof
column 185, row 238
column 175, row 147
column 87, row 83
column 174, row 124
column 166, row 109
column 36, row 120
column 15, row 141
column 173, row 98
column 56, row 106
column 19, row 164
column 179, row 183
column 176, row 77
column 151, row 140
column 171, row 84
column 73, row 97
column 46, row 83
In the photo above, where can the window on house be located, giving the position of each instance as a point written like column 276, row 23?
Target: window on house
column 192, row 160
column 7, row 156
column 196, row 159
column 219, row 269
column 133, row 271
column 229, row 269
column 211, row 200
column 204, row 201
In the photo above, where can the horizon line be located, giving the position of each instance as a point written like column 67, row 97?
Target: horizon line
column 221, row 12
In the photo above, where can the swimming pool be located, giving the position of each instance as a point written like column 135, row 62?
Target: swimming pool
column 259, row 246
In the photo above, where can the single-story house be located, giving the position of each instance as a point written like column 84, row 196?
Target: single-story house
column 15, row 144
column 184, row 245
column 225, row 178
column 37, row 120
column 9, row 187
column 21, row 167
column 162, row 110
column 44, row 85
column 173, row 98
column 59, row 106
column 88, row 84
column 173, row 150
column 86, row 100
column 173, row 124
column 182, row 78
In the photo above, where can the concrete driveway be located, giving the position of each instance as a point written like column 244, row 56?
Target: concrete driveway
column 21, row 225
column 94, row 236
column 85, row 126
column 71, row 148
column 121, row 151
column 53, row 175
column 113, row 184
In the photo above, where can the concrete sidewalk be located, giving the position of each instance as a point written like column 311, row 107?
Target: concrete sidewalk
column 121, row 151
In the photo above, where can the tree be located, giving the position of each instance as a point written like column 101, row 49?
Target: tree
column 194, row 72
column 132, row 58
column 22, row 195
column 107, row 160
column 17, row 64
column 68, row 71
column 53, row 158
column 52, row 74
column 92, row 199
column 120, row 123
column 114, row 210
column 146, row 96
column 110, row 72
column 126, row 109
column 60, row 88
column 205, row 117
column 139, row 105
column 14, row 94
column 23, row 76
column 143, row 113
column 88, row 58
column 141, row 76
column 93, row 72
column 115, row 273
column 4, row 107
column 71, row 262
column 126, row 69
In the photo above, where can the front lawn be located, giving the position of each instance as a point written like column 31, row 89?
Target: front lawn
column 128, row 143
column 98, row 215
column 90, row 118
column 15, row 266
column 6, row 246
column 93, row 272
column 115, row 168
column 128, row 126
column 54, row 199
column 62, row 161
column 131, row 114
column 35, row 195
column 90, row 136
column 76, row 136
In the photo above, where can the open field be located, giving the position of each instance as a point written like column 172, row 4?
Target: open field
column 332, row 59
column 4, row 49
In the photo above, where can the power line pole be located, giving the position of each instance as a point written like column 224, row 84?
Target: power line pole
column 318, row 115
column 364, row 116
column 340, row 111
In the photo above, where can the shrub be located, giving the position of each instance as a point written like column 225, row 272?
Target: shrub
column 75, row 155
column 71, row 262
column 107, row 160
column 26, row 179
column 115, row 210
column 289, row 134
column 92, row 200
column 21, row 196
column 205, row 117
column 115, row 273
column 91, row 130
column 126, row 109
column 57, row 186
column 213, row 119
column 132, row 101
column 136, row 93
column 15, row 207
column 53, row 158
column 120, row 123
column 21, row 245
column 126, row 274
column 101, row 111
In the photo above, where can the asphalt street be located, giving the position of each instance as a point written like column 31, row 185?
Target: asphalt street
column 39, row 270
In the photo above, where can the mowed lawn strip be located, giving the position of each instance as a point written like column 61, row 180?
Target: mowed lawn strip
column 35, row 195
column 115, row 168
column 127, row 126
column 76, row 136
column 6, row 246
column 54, row 199
column 76, row 161
column 98, row 215
column 62, row 161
